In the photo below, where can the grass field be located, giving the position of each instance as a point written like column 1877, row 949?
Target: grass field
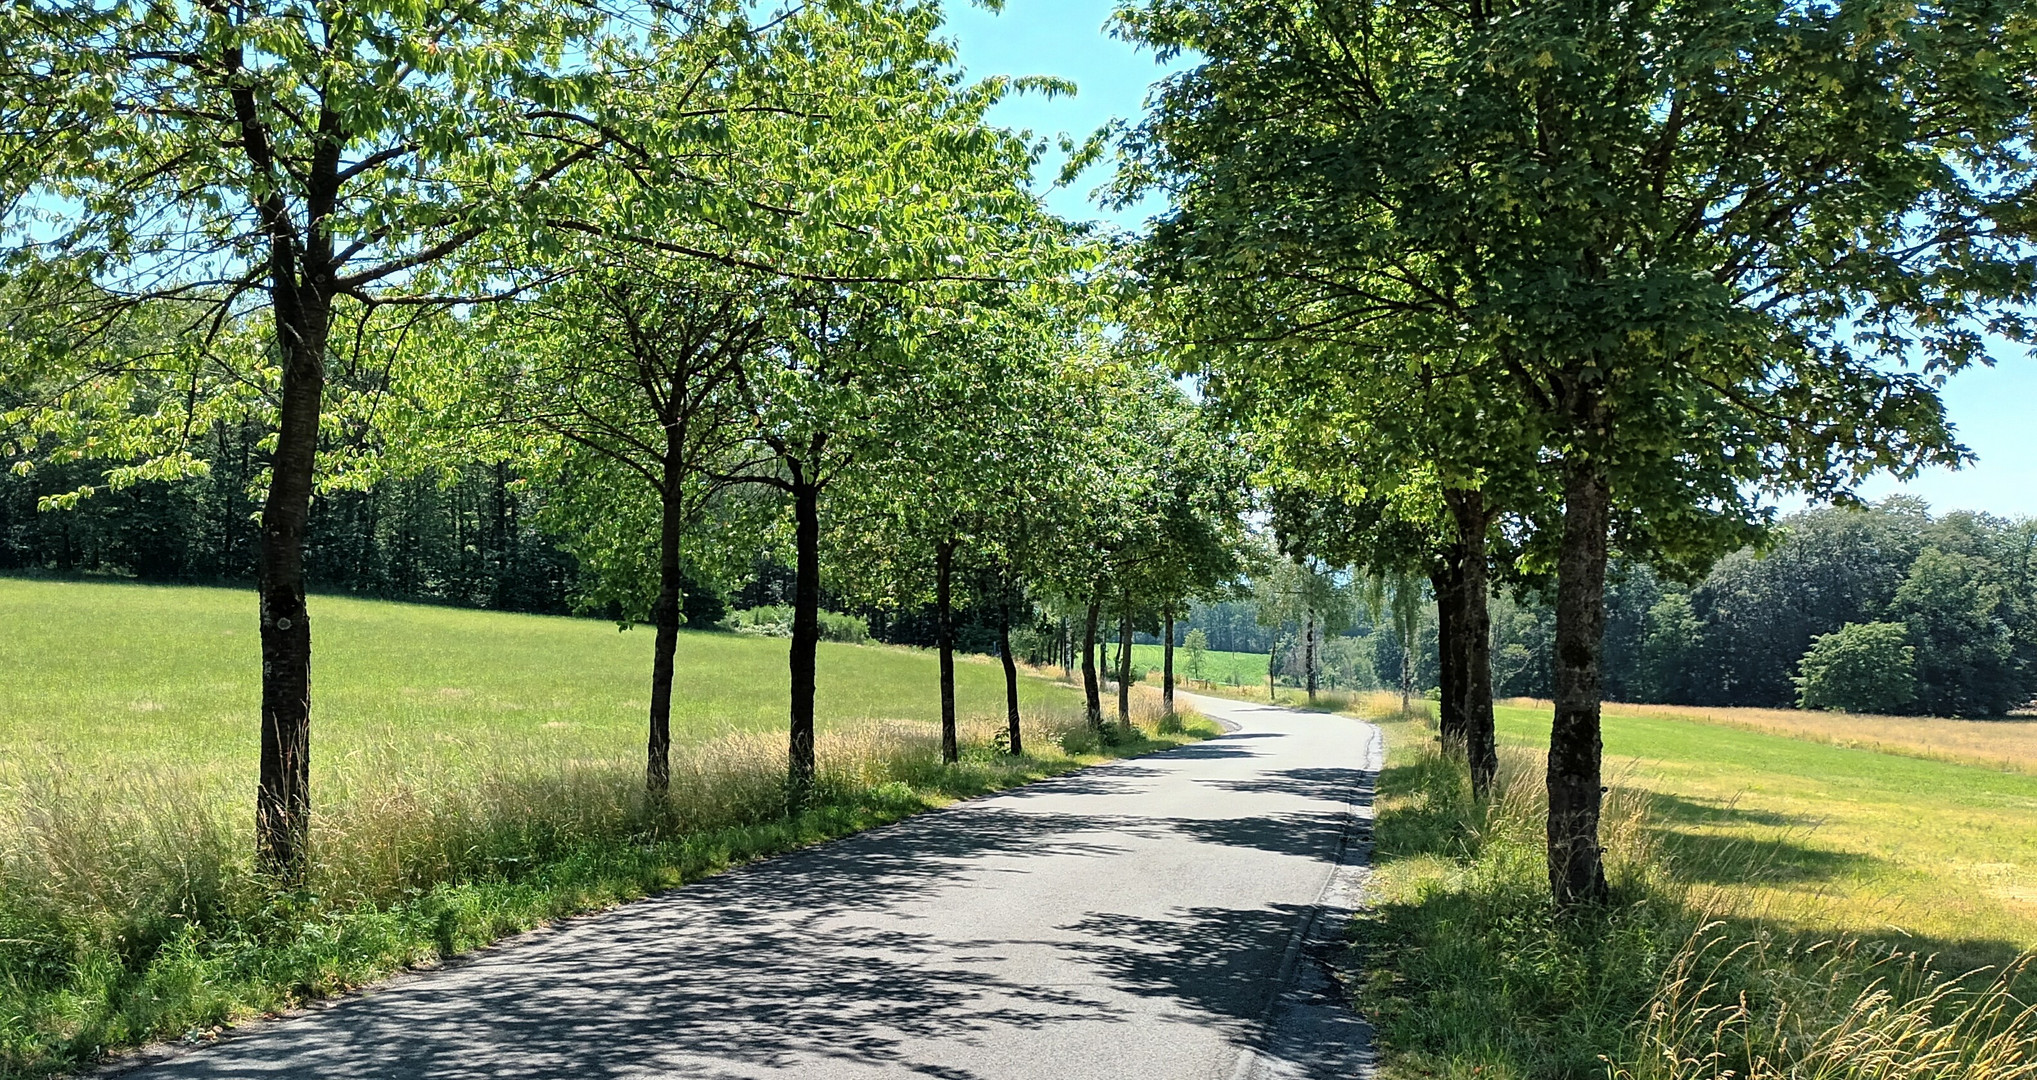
column 1218, row 667
column 117, row 676
column 1784, row 908
column 474, row 774
column 1839, row 838
column 2009, row 744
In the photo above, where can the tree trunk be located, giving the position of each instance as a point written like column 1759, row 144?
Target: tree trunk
column 1125, row 671
column 658, row 754
column 1474, row 630
column 283, row 788
column 1308, row 663
column 944, row 631
column 1067, row 651
column 1167, row 663
column 1448, row 581
column 805, row 638
column 1011, row 709
column 1092, row 697
column 1407, row 678
column 1273, row 651
column 1576, row 870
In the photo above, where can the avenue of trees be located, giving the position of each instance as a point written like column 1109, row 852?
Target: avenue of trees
column 1508, row 290
column 630, row 307
column 557, row 304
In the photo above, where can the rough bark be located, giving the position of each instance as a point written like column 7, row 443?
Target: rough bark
column 1474, row 630
column 944, row 632
column 1167, row 663
column 805, row 637
column 666, row 613
column 1308, row 653
column 1092, row 697
column 1011, row 708
column 1407, row 676
column 1448, row 581
column 1576, row 870
column 1125, row 671
column 283, row 786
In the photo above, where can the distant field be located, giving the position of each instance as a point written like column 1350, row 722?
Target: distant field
column 2009, row 744
column 1848, row 838
column 112, row 677
column 1218, row 667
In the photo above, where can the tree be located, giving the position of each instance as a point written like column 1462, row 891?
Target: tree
column 1964, row 654
column 1152, row 503
column 1695, row 241
column 637, row 359
column 947, row 507
column 1861, row 667
column 1302, row 592
column 1398, row 597
column 1196, row 644
column 838, row 393
column 314, row 162
column 1329, row 501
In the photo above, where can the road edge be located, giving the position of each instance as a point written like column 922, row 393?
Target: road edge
column 1309, row 1030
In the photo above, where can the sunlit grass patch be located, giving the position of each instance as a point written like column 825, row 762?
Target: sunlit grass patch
column 2008, row 743
column 1750, row 935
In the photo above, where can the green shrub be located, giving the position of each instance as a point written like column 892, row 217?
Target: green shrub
column 838, row 627
column 1079, row 740
column 775, row 620
column 1861, row 668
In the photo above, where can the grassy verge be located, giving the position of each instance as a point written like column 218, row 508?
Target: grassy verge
column 129, row 908
column 1732, row 946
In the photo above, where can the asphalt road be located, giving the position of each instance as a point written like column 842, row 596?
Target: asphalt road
column 1157, row 918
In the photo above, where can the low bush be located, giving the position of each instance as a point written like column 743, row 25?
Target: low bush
column 776, row 621
column 1859, row 668
column 1470, row 970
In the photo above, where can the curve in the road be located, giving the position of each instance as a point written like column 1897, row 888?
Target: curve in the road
column 1164, row 917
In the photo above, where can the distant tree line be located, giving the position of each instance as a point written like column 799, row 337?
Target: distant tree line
column 472, row 540
column 1959, row 591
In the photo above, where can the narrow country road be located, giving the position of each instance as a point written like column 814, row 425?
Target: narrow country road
column 1151, row 919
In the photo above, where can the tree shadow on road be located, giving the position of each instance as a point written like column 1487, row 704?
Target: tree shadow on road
column 820, row 956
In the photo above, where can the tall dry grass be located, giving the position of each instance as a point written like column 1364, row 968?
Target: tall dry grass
column 1833, row 1010
column 1386, row 705
column 2009, row 744
column 1474, row 973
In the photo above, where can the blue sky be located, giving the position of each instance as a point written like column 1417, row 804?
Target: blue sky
column 1994, row 408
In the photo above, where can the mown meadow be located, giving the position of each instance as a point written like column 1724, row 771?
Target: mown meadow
column 475, row 774
column 1782, row 907
column 1219, row 667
